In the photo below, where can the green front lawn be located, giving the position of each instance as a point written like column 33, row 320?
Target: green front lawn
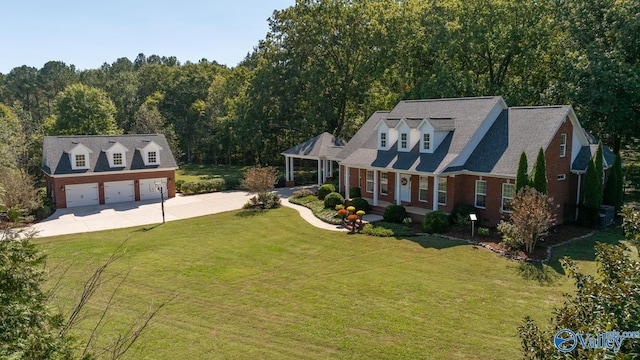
column 271, row 286
column 194, row 172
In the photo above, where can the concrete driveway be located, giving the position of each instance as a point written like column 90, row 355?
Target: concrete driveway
column 122, row 215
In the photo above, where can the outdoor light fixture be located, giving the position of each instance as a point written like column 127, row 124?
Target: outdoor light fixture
column 473, row 218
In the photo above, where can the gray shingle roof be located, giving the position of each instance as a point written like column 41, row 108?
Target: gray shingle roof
column 324, row 145
column 516, row 130
column 581, row 161
column 464, row 116
column 56, row 153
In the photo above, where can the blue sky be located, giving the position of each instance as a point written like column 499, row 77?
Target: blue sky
column 89, row 33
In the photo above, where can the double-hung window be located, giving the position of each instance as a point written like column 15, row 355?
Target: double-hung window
column 423, row 189
column 508, row 191
column 442, row 191
column 426, row 141
column 384, row 183
column 369, row 185
column 481, row 193
column 403, row 141
column 383, row 140
column 563, row 145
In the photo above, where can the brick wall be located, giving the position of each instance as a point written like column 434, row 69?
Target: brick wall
column 55, row 185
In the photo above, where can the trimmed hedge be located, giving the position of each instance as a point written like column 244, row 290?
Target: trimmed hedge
column 202, row 186
column 361, row 204
column 395, row 214
column 355, row 192
column 325, row 190
column 301, row 193
column 333, row 199
column 435, row 222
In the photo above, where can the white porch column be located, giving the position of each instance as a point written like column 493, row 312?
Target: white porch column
column 435, row 193
column 319, row 172
column 375, row 187
column 346, row 182
column 324, row 170
column 286, row 168
column 578, row 199
column 340, row 179
column 291, row 169
column 330, row 168
column 396, row 189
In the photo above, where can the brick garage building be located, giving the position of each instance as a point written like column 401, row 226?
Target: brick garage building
column 106, row 169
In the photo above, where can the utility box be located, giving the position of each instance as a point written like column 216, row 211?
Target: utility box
column 607, row 215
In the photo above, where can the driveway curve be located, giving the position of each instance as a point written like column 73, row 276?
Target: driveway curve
column 123, row 215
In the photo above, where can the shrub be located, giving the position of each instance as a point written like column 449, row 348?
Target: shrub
column 531, row 217
column 361, row 204
column 435, row 222
column 203, row 186
column 379, row 231
column 333, row 199
column 355, row 192
column 301, row 193
column 264, row 201
column 325, row 190
column 179, row 184
column 460, row 216
column 483, row 231
column 394, row 213
column 232, row 183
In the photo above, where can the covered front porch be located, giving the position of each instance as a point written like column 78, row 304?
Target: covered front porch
column 323, row 148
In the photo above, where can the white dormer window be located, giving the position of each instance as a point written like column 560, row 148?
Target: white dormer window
column 117, row 159
column 383, row 140
column 116, row 155
column 151, row 153
column 385, row 135
column 426, row 142
column 79, row 157
column 80, row 161
column 403, row 141
column 152, row 157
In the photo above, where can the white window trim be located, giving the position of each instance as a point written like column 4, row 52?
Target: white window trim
column 428, row 141
column 367, row 181
column 404, row 141
column 426, row 188
column 483, row 194
column 383, row 140
column 442, row 181
column 75, row 161
column 503, row 198
column 384, row 181
column 155, row 152
column 122, row 161
column 563, row 145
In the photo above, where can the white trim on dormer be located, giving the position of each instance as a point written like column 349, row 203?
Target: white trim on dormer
column 111, row 152
column 390, row 135
column 78, row 153
column 148, row 152
column 404, row 136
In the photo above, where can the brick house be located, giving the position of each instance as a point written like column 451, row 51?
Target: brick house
column 105, row 169
column 434, row 154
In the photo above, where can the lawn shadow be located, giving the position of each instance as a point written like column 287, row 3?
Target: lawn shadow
column 542, row 273
column 583, row 249
column 245, row 213
column 434, row 242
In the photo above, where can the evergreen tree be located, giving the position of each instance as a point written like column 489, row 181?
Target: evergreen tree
column 613, row 188
column 539, row 175
column 522, row 178
column 592, row 196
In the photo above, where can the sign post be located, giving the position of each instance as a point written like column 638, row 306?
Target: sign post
column 473, row 218
column 159, row 186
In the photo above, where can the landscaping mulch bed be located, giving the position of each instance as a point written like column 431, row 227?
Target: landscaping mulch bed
column 557, row 235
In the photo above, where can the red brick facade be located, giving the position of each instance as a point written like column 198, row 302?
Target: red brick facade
column 55, row 185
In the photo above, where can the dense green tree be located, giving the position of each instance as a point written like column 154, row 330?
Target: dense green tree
column 522, row 178
column 607, row 302
column 83, row 110
column 53, row 78
column 12, row 138
column 601, row 71
column 539, row 173
column 614, row 187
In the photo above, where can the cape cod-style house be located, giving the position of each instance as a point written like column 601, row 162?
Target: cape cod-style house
column 434, row 154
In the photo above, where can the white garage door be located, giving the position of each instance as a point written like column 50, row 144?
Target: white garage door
column 118, row 191
column 81, row 194
column 147, row 188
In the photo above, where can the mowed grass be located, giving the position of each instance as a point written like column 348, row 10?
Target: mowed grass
column 195, row 172
column 270, row 286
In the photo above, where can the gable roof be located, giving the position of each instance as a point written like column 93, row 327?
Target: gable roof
column 324, row 145
column 462, row 117
column 581, row 162
column 57, row 162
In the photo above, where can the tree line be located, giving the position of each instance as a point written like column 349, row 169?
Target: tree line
column 326, row 65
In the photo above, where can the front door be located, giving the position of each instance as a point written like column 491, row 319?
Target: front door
column 405, row 187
